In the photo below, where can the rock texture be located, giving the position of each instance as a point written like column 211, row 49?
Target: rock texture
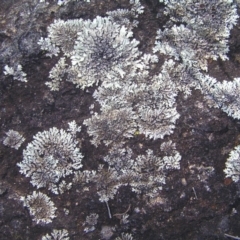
column 196, row 202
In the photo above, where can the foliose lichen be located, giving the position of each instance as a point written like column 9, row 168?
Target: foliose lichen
column 40, row 206
column 57, row 235
column 232, row 168
column 50, row 157
column 14, row 139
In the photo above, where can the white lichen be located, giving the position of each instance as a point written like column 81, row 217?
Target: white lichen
column 111, row 125
column 125, row 236
column 64, row 2
column 204, row 34
column 103, row 50
column 57, row 74
column 14, row 139
column 232, row 168
column 90, row 222
column 57, row 235
column 40, row 206
column 226, row 96
column 50, row 157
column 64, row 34
column 15, row 71
column 47, row 45
column 127, row 17
column 106, row 183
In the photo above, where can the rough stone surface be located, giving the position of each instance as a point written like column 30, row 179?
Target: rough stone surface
column 202, row 206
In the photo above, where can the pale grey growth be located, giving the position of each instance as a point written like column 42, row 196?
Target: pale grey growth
column 107, row 232
column 127, row 17
column 40, row 206
column 155, row 106
column 90, row 222
column 100, row 50
column 15, row 71
column 232, row 167
column 201, row 172
column 183, row 77
column 84, row 177
column 57, row 235
column 238, row 3
column 121, row 162
column 65, row 33
column 112, row 125
column 92, row 219
column 120, row 172
column 63, row 186
column 146, row 174
column 14, row 139
column 137, row 8
column 103, row 50
column 156, row 93
column 153, row 103
column 226, row 96
column 73, row 128
column 212, row 19
column 125, row 236
column 185, row 44
column 47, row 45
column 64, row 2
column 107, row 183
column 172, row 156
column 57, row 74
column 168, row 147
column 205, row 32
column 50, row 157
column 123, row 17
column 124, row 92
column 120, row 159
column 172, row 161
column 112, row 96
column 150, row 171
column 124, row 219
column 223, row 95
column 156, row 123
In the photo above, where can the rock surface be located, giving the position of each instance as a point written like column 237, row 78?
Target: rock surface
column 197, row 201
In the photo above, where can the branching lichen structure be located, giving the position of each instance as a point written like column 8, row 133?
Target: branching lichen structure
column 90, row 222
column 124, row 16
column 133, row 90
column 103, row 50
column 14, row 139
column 203, row 34
column 232, row 169
column 224, row 95
column 145, row 174
column 40, row 206
column 125, row 236
column 57, row 235
column 64, row 34
column 50, row 157
column 16, row 71
column 111, row 125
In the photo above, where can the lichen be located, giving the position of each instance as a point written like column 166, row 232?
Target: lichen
column 232, row 168
column 57, row 235
column 50, row 157
column 103, row 50
column 14, row 139
column 40, row 206
column 16, row 71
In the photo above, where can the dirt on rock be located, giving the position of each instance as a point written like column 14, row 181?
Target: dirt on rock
column 197, row 202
